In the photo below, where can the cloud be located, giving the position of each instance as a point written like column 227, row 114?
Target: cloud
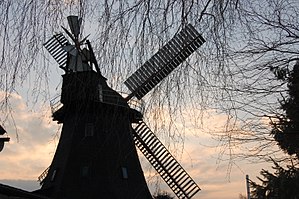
column 199, row 155
column 23, row 160
column 31, row 148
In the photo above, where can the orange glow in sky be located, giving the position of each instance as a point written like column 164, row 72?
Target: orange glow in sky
column 24, row 159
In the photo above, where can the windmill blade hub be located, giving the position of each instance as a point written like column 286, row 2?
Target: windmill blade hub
column 71, row 49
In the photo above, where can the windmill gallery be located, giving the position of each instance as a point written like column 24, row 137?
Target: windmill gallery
column 88, row 163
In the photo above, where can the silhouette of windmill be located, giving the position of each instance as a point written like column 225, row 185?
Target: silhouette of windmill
column 96, row 155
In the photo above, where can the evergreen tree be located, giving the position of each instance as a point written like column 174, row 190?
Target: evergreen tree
column 286, row 129
column 283, row 184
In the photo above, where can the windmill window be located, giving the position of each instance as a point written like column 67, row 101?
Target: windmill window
column 100, row 89
column 53, row 175
column 89, row 129
column 85, row 171
column 124, row 172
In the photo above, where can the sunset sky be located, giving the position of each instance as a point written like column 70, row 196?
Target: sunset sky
column 25, row 157
column 34, row 137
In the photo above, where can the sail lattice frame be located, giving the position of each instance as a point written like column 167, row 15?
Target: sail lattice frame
column 164, row 163
column 170, row 56
column 55, row 47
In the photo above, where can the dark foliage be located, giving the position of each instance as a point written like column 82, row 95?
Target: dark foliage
column 282, row 184
column 286, row 129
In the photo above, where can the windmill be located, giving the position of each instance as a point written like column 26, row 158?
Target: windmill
column 96, row 154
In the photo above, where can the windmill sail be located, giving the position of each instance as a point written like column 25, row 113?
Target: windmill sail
column 164, row 62
column 164, row 163
column 55, row 48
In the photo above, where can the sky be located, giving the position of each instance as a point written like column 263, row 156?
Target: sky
column 34, row 137
column 32, row 147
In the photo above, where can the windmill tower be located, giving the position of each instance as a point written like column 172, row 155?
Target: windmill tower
column 96, row 155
